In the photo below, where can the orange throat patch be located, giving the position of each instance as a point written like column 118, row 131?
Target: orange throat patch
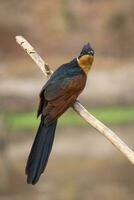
column 85, row 62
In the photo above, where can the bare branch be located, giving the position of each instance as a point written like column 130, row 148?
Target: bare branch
column 110, row 135
column 104, row 130
column 32, row 53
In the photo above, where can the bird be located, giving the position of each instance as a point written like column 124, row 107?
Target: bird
column 57, row 95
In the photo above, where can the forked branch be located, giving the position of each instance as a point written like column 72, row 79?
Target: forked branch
column 109, row 134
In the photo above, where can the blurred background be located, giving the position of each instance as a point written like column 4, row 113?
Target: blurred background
column 83, row 164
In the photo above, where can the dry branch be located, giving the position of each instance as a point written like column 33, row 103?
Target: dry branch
column 110, row 135
column 32, row 53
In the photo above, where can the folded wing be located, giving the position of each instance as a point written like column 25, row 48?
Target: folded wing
column 58, row 95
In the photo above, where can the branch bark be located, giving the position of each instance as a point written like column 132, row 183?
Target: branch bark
column 104, row 130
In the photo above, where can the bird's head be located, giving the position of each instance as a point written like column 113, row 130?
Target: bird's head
column 86, row 57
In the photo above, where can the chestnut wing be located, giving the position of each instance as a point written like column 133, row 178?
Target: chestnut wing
column 58, row 103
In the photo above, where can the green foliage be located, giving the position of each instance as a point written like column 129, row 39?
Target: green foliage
column 110, row 115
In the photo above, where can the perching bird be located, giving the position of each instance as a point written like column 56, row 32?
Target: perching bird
column 57, row 95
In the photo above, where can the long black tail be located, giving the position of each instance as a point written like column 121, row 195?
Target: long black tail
column 40, row 152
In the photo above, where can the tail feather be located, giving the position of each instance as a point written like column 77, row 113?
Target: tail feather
column 40, row 152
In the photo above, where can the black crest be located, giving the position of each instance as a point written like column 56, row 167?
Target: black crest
column 87, row 49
